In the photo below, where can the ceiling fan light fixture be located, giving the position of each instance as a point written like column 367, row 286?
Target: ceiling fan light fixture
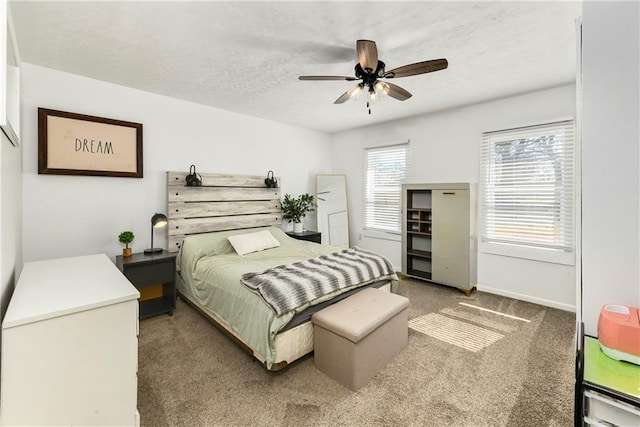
column 382, row 87
column 372, row 95
column 354, row 92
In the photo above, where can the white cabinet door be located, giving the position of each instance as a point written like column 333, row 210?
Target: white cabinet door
column 450, row 237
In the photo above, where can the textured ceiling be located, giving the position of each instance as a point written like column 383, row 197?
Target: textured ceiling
column 246, row 56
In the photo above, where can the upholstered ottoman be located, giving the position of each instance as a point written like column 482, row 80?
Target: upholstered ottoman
column 356, row 337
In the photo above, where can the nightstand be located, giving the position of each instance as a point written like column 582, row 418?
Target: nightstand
column 154, row 277
column 309, row 235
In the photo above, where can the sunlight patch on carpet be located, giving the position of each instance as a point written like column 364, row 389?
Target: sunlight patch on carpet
column 494, row 312
column 479, row 320
column 455, row 332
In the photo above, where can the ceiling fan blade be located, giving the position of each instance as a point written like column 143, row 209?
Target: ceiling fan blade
column 397, row 92
column 417, row 68
column 352, row 93
column 327, row 78
column 343, row 98
column 367, row 55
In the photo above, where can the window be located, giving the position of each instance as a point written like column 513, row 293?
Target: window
column 527, row 190
column 385, row 170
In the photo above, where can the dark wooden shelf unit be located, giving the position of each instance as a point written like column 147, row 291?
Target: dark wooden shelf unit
column 419, row 254
column 418, row 234
column 419, row 221
column 419, row 273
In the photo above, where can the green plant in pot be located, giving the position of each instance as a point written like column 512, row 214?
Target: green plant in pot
column 125, row 238
column 296, row 208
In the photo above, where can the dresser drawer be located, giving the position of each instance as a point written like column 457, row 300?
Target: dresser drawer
column 604, row 410
column 150, row 274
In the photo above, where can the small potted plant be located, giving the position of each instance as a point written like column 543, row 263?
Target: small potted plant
column 126, row 237
column 294, row 209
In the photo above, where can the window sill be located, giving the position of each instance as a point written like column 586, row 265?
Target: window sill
column 534, row 254
column 384, row 235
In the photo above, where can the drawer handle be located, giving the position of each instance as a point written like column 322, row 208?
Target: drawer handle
column 449, row 193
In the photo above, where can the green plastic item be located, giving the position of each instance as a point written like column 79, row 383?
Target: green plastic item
column 600, row 369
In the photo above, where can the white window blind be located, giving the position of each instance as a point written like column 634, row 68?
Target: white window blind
column 385, row 172
column 527, row 186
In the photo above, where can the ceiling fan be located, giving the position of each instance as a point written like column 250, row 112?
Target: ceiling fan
column 370, row 70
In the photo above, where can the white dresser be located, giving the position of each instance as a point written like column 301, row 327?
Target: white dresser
column 70, row 345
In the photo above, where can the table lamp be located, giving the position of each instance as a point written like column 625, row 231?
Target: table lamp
column 157, row 221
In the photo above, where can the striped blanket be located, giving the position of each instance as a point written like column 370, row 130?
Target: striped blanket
column 288, row 287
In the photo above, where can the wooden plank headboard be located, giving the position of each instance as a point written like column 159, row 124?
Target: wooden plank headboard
column 224, row 202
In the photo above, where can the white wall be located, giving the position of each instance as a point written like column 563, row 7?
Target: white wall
column 610, row 157
column 10, row 219
column 445, row 147
column 78, row 215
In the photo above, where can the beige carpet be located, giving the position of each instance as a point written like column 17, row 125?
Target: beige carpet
column 464, row 366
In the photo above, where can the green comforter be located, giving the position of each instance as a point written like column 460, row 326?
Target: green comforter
column 211, row 269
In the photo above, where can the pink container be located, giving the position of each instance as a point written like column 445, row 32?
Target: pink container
column 619, row 332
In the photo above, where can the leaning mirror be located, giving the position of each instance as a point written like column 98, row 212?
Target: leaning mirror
column 332, row 212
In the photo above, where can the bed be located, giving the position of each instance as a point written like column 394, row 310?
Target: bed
column 215, row 279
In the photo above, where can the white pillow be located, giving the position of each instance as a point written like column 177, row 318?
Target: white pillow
column 253, row 242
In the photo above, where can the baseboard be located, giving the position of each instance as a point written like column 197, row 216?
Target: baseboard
column 528, row 298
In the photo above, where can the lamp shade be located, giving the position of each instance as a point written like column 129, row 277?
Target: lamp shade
column 159, row 220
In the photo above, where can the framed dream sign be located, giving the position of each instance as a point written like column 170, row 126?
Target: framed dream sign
column 76, row 144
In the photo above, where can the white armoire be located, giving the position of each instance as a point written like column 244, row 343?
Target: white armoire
column 70, row 345
column 439, row 233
